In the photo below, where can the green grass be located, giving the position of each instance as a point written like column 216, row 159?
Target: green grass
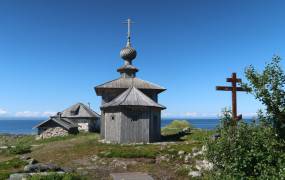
column 10, row 166
column 175, row 127
column 55, row 176
column 13, row 163
column 62, row 150
column 143, row 151
column 20, row 149
column 199, row 135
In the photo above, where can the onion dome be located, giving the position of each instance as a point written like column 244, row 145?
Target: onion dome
column 128, row 53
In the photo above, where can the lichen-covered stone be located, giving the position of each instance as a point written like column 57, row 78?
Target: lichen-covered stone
column 52, row 132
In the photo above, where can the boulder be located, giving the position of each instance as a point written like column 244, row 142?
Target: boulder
column 41, row 167
column 18, row 176
column 215, row 136
column 181, row 152
column 194, row 173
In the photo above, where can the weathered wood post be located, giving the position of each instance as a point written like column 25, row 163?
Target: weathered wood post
column 234, row 80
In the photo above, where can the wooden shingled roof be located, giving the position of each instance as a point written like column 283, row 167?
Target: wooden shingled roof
column 133, row 97
column 125, row 83
column 79, row 110
column 64, row 122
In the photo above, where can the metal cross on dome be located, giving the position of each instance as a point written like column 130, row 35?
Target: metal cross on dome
column 234, row 80
column 129, row 22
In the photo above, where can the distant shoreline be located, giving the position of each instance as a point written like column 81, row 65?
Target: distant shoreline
column 24, row 127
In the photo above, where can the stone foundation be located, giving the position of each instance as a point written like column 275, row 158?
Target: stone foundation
column 52, row 132
column 83, row 127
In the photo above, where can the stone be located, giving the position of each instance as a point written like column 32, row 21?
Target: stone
column 18, row 176
column 3, row 147
column 187, row 158
column 204, row 149
column 52, row 132
column 25, row 157
column 204, row 165
column 39, row 167
column 119, row 164
column 131, row 176
column 195, row 149
column 181, row 152
column 194, row 173
column 186, row 130
column 24, row 176
column 215, row 136
column 94, row 158
column 32, row 161
column 161, row 158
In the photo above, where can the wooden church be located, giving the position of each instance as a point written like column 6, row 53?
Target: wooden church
column 130, row 112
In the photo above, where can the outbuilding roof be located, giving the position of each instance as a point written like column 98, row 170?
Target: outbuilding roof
column 79, row 110
column 64, row 122
column 125, row 83
column 133, row 97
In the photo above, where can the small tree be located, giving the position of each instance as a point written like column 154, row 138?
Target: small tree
column 268, row 86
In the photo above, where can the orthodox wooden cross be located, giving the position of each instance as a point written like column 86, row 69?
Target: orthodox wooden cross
column 234, row 80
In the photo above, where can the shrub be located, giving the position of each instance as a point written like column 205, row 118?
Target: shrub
column 247, row 151
column 20, row 149
column 268, row 86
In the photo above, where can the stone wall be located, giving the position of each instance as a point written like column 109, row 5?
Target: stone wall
column 83, row 127
column 52, row 132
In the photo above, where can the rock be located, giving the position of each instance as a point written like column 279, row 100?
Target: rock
column 24, row 176
column 181, row 152
column 186, row 130
column 3, row 147
column 204, row 165
column 52, row 132
column 119, row 164
column 204, row 149
column 197, row 153
column 215, row 136
column 161, row 158
column 194, row 150
column 187, row 158
column 208, row 165
column 32, row 161
column 41, row 167
column 194, row 173
column 25, row 157
column 94, row 158
column 18, row 176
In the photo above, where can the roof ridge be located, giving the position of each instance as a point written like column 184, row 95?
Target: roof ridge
column 128, row 93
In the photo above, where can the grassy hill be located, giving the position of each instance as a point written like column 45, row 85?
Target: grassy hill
column 86, row 156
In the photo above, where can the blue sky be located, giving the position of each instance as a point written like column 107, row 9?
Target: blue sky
column 53, row 53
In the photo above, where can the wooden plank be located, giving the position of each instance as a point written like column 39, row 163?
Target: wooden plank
column 234, row 80
column 228, row 88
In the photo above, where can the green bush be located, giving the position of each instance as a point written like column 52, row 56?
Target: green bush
column 20, row 149
column 247, row 151
column 268, row 87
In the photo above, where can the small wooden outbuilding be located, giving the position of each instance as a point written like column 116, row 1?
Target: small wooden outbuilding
column 76, row 118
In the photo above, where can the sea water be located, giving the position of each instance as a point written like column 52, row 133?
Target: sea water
column 25, row 126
